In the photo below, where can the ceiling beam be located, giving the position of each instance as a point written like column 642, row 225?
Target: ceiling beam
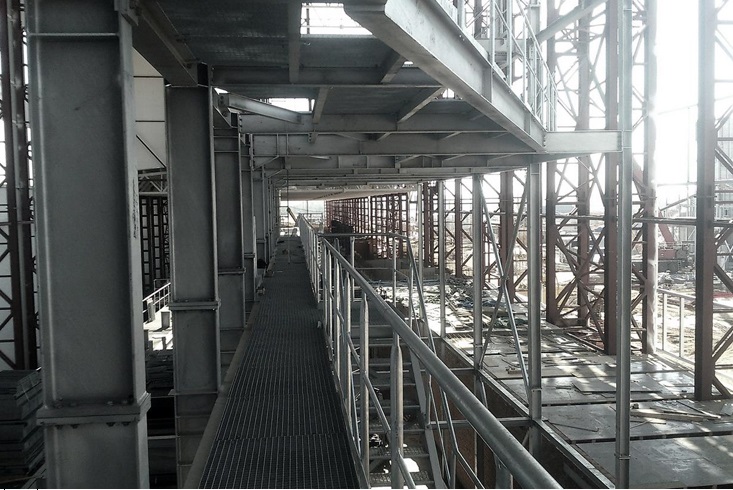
column 368, row 123
column 396, row 145
column 422, row 32
column 238, row 103
column 233, row 76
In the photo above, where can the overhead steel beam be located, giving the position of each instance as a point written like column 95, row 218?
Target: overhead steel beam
column 422, row 144
column 585, row 8
column 240, row 103
column 232, row 76
column 583, row 142
column 90, row 288
column 367, row 123
column 422, row 32
column 158, row 42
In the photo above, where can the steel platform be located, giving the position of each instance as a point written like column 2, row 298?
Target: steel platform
column 282, row 426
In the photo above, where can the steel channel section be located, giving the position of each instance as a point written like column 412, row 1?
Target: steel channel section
column 526, row 470
column 94, row 398
column 229, row 241
column 551, row 230
column 17, row 186
column 583, row 188
column 421, row 236
column 705, row 248
column 650, row 251
column 458, row 231
column 194, row 285
column 623, row 300
column 534, row 301
column 478, row 247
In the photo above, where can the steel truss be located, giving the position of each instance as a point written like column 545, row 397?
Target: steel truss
column 18, row 319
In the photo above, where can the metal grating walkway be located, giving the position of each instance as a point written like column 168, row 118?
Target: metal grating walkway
column 282, row 426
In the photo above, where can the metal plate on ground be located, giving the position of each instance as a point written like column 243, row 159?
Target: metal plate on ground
column 671, row 463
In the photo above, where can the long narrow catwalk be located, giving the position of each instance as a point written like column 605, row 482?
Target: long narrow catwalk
column 282, row 426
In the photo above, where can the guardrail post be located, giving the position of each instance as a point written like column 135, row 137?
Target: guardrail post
column 682, row 328
column 396, row 413
column 346, row 354
column 364, row 358
column 664, row 322
column 504, row 477
column 394, row 270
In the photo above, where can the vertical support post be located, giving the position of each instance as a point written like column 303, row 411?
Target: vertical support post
column 705, row 249
column 583, row 186
column 664, row 321
column 650, row 251
column 420, row 210
column 229, row 241
column 610, row 223
column 94, row 398
column 397, row 421
column 552, row 233
column 534, row 278
column 338, row 324
column 194, row 286
column 458, row 233
column 504, row 477
column 477, row 229
column 623, row 299
column 441, row 252
column 249, row 228
column 394, row 270
column 681, row 335
column 364, row 369
column 346, row 351
column 506, row 228
column 17, row 179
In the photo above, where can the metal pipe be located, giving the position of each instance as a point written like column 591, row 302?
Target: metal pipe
column 364, row 370
column 623, row 300
column 396, row 413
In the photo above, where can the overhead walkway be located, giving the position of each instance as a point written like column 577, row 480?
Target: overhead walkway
column 282, row 426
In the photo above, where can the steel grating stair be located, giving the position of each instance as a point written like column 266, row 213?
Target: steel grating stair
column 282, row 426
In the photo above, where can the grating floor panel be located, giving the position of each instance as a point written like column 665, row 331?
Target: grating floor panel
column 282, row 426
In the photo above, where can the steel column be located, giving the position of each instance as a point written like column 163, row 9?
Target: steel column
column 458, row 231
column 17, row 186
column 705, row 247
column 90, row 297
column 195, row 298
column 534, row 301
column 229, row 241
column 623, row 299
column 611, row 225
column 649, row 230
column 260, row 214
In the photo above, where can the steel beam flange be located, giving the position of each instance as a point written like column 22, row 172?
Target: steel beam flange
column 112, row 412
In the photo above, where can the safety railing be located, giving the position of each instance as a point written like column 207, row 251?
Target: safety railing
column 673, row 338
column 337, row 280
column 154, row 302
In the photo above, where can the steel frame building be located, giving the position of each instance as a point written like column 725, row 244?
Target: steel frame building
column 521, row 110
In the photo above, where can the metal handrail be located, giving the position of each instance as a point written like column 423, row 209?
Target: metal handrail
column 155, row 301
column 334, row 266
